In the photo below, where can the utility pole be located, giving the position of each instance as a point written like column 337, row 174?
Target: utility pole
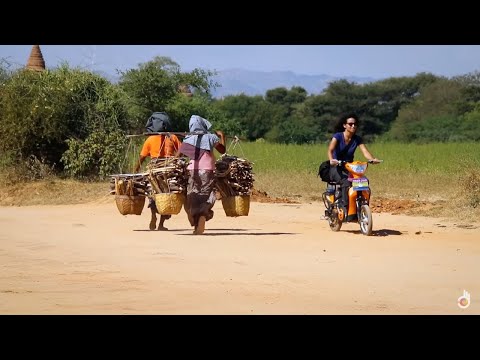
column 94, row 55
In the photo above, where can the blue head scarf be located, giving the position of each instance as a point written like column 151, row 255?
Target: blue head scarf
column 204, row 141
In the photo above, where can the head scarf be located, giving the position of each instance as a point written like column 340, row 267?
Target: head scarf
column 204, row 141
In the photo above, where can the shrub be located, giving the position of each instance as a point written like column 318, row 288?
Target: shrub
column 39, row 111
column 470, row 183
column 101, row 153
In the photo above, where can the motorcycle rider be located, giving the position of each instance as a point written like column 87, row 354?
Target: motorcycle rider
column 342, row 147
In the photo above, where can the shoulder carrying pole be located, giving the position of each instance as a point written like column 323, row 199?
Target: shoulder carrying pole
column 183, row 134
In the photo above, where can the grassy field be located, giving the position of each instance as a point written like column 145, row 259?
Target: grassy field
column 427, row 172
column 434, row 171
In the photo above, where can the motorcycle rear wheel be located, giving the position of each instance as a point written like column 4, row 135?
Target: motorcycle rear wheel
column 334, row 222
column 365, row 220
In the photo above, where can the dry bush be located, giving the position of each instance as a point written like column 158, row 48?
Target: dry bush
column 470, row 187
column 31, row 169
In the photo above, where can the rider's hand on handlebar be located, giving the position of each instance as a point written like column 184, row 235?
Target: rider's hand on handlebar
column 334, row 162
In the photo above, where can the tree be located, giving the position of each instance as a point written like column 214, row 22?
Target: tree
column 154, row 85
column 39, row 111
column 4, row 70
column 296, row 95
column 181, row 108
column 436, row 104
column 252, row 116
column 277, row 95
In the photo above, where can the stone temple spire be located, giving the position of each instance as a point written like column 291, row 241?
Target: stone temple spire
column 35, row 61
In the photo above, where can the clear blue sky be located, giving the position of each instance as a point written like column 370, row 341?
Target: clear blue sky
column 377, row 61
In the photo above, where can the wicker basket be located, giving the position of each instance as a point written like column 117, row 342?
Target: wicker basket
column 130, row 205
column 236, row 205
column 169, row 203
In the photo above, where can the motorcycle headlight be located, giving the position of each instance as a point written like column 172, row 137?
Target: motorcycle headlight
column 359, row 169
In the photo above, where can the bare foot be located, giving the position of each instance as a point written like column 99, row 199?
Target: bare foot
column 200, row 228
column 153, row 224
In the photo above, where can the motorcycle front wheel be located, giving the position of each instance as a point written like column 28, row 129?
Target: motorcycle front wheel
column 365, row 220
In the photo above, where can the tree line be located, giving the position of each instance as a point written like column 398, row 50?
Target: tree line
column 77, row 120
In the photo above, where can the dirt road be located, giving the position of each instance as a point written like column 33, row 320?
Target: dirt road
column 281, row 259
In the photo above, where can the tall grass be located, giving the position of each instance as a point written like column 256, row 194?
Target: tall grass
column 426, row 172
column 411, row 171
column 416, row 171
column 132, row 153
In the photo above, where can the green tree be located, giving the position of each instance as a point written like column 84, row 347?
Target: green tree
column 4, row 70
column 286, row 126
column 182, row 107
column 39, row 111
column 470, row 92
column 277, row 95
column 470, row 125
column 377, row 104
column 437, row 103
column 296, row 95
column 154, row 85
column 250, row 117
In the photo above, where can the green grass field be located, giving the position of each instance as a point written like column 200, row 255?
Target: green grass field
column 427, row 171
column 410, row 171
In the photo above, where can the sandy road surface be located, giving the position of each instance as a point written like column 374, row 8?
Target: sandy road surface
column 281, row 259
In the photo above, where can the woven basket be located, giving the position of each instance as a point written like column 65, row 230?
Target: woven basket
column 236, row 205
column 169, row 203
column 130, row 205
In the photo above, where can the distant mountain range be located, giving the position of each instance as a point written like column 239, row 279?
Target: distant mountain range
column 237, row 81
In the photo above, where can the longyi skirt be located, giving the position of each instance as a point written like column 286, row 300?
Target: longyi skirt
column 200, row 195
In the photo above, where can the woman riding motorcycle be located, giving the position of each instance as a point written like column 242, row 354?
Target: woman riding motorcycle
column 342, row 148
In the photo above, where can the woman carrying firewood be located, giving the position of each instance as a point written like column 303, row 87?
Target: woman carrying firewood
column 201, row 168
column 158, row 146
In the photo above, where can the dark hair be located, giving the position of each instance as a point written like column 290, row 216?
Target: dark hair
column 342, row 120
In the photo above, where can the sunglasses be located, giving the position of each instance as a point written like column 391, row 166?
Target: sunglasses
column 352, row 124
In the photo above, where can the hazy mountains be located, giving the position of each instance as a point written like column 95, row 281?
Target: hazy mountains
column 236, row 81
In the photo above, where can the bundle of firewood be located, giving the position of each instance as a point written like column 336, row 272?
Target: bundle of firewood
column 168, row 175
column 129, row 184
column 234, row 176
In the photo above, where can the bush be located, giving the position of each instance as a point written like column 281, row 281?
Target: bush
column 39, row 111
column 100, row 154
column 470, row 183
column 17, row 170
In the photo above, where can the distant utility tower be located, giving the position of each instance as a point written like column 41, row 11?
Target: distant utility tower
column 89, row 55
column 94, row 55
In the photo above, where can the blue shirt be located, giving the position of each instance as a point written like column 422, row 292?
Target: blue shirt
column 344, row 151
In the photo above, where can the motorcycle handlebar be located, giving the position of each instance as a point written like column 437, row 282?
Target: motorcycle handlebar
column 342, row 162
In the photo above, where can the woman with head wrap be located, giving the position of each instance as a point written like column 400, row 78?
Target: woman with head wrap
column 201, row 180
column 158, row 146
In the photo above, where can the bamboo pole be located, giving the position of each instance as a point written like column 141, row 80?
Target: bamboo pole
column 181, row 134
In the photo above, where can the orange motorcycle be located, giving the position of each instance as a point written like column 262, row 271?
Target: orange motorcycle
column 358, row 199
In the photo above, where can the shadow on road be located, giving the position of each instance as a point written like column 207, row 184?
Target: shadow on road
column 382, row 232
column 191, row 229
column 208, row 233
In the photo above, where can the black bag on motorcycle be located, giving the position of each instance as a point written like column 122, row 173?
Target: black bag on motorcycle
column 324, row 171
